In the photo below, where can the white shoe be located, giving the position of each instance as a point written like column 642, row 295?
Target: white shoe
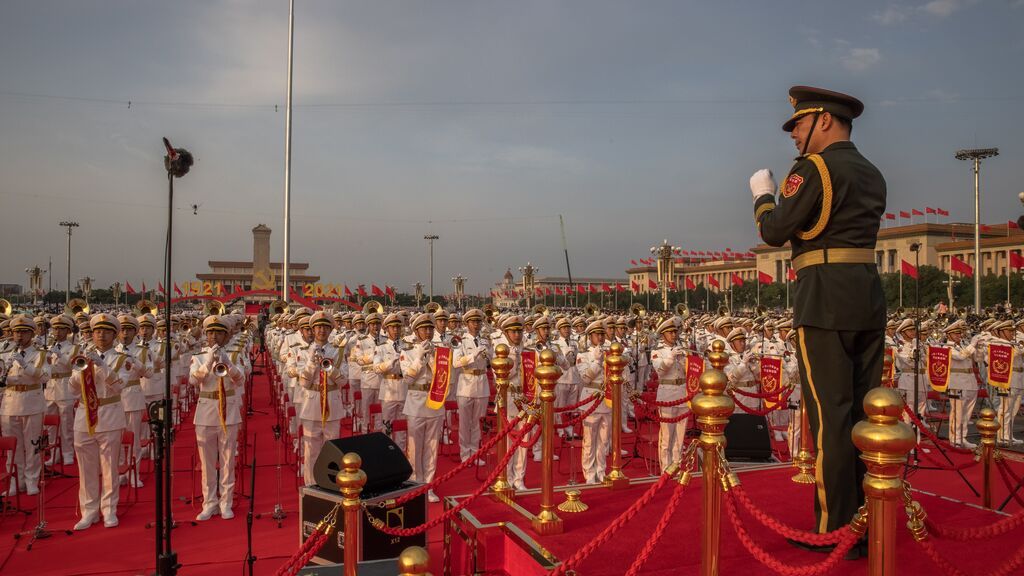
column 206, row 514
column 536, row 457
column 431, row 497
column 32, row 490
column 85, row 523
column 627, row 430
column 123, row 480
column 969, row 444
column 480, row 462
column 69, row 461
column 110, row 522
column 521, row 487
column 227, row 514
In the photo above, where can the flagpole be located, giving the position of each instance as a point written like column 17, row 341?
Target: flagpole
column 1007, row 268
column 901, row 288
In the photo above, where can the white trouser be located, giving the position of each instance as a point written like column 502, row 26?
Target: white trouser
column 65, row 409
column 392, row 410
column 671, row 436
column 795, row 429
column 1006, row 410
column 471, row 410
column 27, row 430
column 97, row 462
column 516, row 469
column 370, row 396
column 960, row 411
column 217, row 446
column 133, row 423
column 596, row 440
column 424, row 434
column 314, row 434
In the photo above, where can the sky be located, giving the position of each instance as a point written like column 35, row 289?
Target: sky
column 480, row 121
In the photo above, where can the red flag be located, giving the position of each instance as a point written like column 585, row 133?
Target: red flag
column 176, row 289
column 620, row 287
column 958, row 265
column 634, row 286
column 713, row 281
column 160, row 288
column 1016, row 261
column 1012, row 224
column 361, row 289
column 942, row 212
column 558, row 290
column 909, row 269
column 547, row 291
column 128, row 288
column 581, row 288
column 347, row 291
column 916, row 212
column 890, row 216
column 606, row 288
column 389, row 290
column 593, row 289
column 791, row 274
column 538, row 291
column 143, row 286
column 689, row 284
column 736, row 280
column 375, row 290
column 985, row 228
column 651, row 284
column 904, row 214
column 633, row 262
column 764, row 278
column 929, row 210
column 672, row 286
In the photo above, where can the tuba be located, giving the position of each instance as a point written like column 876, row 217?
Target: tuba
column 5, row 307
column 373, row 307
column 682, row 310
column 278, row 307
column 591, row 309
column 540, row 309
column 723, row 310
column 145, row 307
column 75, row 306
column 214, row 308
column 637, row 309
column 490, row 312
column 430, row 307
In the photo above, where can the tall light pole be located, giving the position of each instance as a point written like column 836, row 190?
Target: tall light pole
column 975, row 155
column 460, row 286
column 69, row 225
column 666, row 268
column 115, row 291
column 285, row 292
column 35, row 282
column 528, row 272
column 419, row 292
column 430, row 238
column 85, row 286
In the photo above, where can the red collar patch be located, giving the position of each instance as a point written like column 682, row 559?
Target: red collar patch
column 792, row 185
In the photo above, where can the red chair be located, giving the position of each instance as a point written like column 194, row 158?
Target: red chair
column 8, row 473
column 147, row 440
column 357, row 407
column 291, row 444
column 56, row 449
column 130, row 466
column 374, row 417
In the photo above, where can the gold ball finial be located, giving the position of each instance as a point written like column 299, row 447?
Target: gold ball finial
column 414, row 561
column 351, row 478
column 883, row 435
column 988, row 425
column 547, row 357
column 547, row 373
column 500, row 364
column 717, row 356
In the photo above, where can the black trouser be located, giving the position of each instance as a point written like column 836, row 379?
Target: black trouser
column 837, row 368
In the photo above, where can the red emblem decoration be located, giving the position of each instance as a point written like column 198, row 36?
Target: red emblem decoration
column 792, row 185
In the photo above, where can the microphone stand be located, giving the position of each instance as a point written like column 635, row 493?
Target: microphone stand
column 42, row 445
column 250, row 560
column 279, row 512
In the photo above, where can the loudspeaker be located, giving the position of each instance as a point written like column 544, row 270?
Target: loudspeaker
column 748, row 437
column 384, row 462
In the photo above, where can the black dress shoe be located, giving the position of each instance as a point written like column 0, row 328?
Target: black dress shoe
column 819, row 548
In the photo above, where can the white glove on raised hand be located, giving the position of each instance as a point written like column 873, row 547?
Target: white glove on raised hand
column 762, row 183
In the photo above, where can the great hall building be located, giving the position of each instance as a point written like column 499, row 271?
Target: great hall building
column 939, row 243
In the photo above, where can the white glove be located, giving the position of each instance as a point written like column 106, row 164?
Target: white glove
column 762, row 183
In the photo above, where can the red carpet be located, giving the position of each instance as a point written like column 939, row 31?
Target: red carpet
column 218, row 546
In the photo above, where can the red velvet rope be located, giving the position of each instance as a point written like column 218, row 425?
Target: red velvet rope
column 611, row 529
column 531, row 442
column 579, row 404
column 307, row 550
column 813, row 538
column 1010, row 480
column 583, row 415
column 758, row 412
column 765, row 395
column 653, row 414
column 935, row 462
column 404, row 532
column 659, row 530
column 669, row 403
column 842, row 547
column 408, row 496
column 931, row 435
column 1007, row 568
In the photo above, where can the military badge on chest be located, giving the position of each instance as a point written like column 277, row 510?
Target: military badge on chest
column 792, row 185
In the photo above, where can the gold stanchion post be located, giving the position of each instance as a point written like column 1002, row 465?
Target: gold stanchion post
column 804, row 460
column 547, row 374
column 712, row 408
column 414, row 561
column 502, row 367
column 884, row 441
column 615, row 479
column 988, row 426
column 351, row 480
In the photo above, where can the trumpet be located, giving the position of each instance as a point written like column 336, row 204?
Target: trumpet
column 326, row 364
column 80, row 362
column 220, row 369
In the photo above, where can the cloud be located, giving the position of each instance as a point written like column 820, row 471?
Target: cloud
column 892, row 15
column 860, row 59
column 899, row 13
column 942, row 8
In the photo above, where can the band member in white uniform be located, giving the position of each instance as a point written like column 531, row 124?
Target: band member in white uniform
column 669, row 361
column 321, row 421
column 59, row 395
column 471, row 357
column 386, row 363
column 21, row 414
column 418, row 365
column 963, row 386
column 596, row 426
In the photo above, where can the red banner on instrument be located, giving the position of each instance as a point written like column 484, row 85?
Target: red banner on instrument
column 771, row 378
column 1000, row 365
column 90, row 397
column 528, row 367
column 938, row 367
column 442, row 377
column 694, row 368
column 222, row 404
column 325, row 406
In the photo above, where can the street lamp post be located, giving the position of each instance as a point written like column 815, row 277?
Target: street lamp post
column 460, row 285
column 419, row 293
column 528, row 272
column 430, row 238
column 85, row 286
column 975, row 155
column 69, row 225
column 115, row 291
column 666, row 268
column 35, row 282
